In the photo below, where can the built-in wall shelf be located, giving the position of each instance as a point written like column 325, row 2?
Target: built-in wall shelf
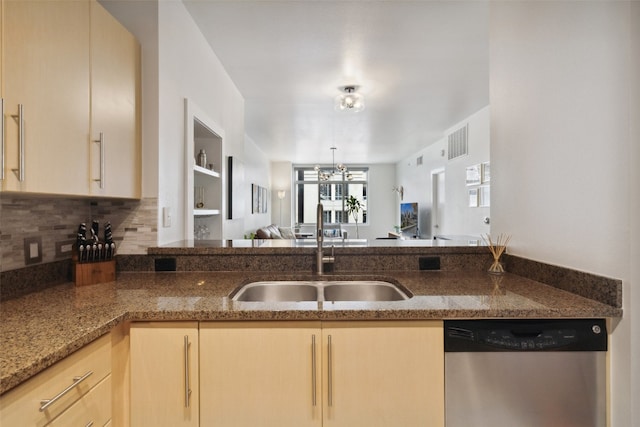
column 206, row 212
column 203, row 185
column 206, row 171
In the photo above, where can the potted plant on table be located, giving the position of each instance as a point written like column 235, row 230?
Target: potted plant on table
column 353, row 208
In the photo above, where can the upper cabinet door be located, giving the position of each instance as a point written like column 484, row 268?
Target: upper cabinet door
column 115, row 108
column 46, row 96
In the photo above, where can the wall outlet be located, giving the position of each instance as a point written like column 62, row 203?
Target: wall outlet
column 429, row 263
column 33, row 250
column 64, row 248
column 165, row 264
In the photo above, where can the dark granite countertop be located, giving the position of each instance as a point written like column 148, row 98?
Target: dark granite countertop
column 41, row 328
column 308, row 246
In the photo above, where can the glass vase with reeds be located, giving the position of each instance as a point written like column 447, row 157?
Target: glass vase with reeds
column 497, row 248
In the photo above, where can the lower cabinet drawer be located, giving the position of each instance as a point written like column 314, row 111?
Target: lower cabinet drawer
column 63, row 383
column 94, row 409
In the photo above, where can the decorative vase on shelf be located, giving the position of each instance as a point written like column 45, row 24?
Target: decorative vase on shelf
column 201, row 160
column 199, row 197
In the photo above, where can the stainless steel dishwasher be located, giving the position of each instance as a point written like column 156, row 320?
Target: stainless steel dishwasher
column 525, row 373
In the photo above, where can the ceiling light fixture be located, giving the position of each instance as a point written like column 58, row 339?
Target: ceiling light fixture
column 339, row 169
column 349, row 100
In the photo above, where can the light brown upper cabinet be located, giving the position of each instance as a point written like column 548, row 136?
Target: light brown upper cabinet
column 115, row 113
column 62, row 86
column 46, row 96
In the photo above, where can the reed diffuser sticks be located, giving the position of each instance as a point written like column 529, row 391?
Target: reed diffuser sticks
column 497, row 248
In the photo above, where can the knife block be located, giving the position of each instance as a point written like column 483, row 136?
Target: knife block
column 90, row 273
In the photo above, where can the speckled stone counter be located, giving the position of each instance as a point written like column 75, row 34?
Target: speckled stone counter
column 43, row 327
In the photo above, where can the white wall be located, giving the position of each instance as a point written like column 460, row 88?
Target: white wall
column 561, row 144
column 382, row 203
column 460, row 219
column 257, row 170
column 178, row 63
column 631, row 291
column 190, row 69
column 281, row 179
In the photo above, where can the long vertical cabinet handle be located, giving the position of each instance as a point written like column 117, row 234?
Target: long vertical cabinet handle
column 100, row 141
column 187, row 382
column 2, row 140
column 20, row 117
column 313, row 370
column 330, row 371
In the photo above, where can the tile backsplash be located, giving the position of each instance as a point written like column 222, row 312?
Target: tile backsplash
column 56, row 219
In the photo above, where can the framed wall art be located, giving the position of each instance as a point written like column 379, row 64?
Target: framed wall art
column 484, row 196
column 259, row 196
column 473, row 197
column 486, row 172
column 474, row 174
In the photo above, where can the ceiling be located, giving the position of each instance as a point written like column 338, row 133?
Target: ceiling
column 422, row 66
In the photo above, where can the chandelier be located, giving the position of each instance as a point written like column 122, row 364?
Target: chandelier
column 349, row 100
column 339, row 169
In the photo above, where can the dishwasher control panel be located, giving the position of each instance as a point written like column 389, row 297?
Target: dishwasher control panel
column 525, row 335
column 545, row 339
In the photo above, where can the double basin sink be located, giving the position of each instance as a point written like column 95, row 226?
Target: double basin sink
column 331, row 290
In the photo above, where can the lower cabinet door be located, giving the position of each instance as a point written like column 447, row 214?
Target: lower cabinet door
column 260, row 374
column 383, row 374
column 164, row 374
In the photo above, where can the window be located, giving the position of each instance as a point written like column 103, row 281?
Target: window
column 333, row 194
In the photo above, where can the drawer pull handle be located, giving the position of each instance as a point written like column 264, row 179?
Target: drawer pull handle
column 2, row 138
column 45, row 403
column 90, row 424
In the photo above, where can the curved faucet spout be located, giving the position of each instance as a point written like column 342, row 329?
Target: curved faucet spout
column 319, row 223
column 320, row 258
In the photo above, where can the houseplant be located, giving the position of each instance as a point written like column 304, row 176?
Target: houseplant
column 353, row 208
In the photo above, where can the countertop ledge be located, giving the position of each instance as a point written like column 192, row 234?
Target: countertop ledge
column 41, row 328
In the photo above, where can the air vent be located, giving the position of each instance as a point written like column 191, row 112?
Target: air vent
column 419, row 161
column 457, row 143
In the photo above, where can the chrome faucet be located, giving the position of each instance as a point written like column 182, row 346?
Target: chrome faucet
column 320, row 258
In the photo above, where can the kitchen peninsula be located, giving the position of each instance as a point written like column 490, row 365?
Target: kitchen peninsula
column 40, row 328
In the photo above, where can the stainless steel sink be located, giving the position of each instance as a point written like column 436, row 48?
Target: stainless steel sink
column 334, row 290
column 277, row 291
column 363, row 291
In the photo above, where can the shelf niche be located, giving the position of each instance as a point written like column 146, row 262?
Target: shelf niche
column 204, row 185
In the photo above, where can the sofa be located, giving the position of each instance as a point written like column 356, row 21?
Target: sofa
column 272, row 231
